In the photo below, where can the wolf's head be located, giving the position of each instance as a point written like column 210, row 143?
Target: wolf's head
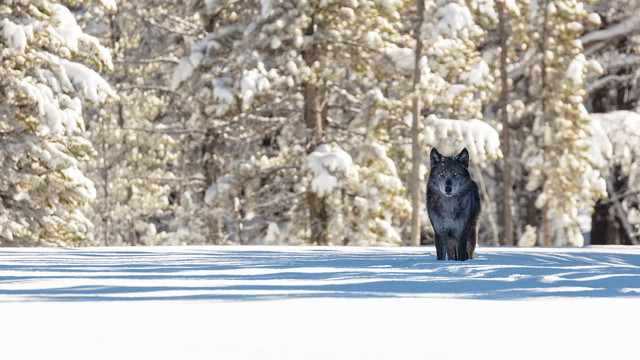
column 449, row 174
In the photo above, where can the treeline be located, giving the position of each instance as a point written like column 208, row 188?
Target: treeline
column 292, row 122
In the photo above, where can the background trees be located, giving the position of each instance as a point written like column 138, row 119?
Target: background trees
column 138, row 138
column 290, row 121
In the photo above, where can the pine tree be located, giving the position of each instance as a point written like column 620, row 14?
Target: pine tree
column 138, row 172
column 45, row 83
column 556, row 153
column 294, row 75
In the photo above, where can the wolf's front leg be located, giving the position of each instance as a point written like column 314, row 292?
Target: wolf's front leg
column 461, row 248
column 472, row 239
column 441, row 246
column 451, row 249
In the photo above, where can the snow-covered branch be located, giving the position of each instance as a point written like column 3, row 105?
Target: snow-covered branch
column 145, row 87
column 626, row 27
column 166, row 130
column 170, row 60
column 606, row 80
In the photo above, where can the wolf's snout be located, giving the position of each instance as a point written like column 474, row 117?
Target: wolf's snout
column 447, row 187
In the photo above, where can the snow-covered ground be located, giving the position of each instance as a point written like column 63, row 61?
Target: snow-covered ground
column 319, row 303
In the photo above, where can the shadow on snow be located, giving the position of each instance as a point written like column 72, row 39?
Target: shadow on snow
column 261, row 274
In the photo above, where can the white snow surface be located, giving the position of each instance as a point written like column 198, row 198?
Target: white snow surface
column 318, row 303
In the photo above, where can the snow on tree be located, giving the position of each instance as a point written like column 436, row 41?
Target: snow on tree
column 555, row 153
column 616, row 135
column 615, row 45
column 614, row 145
column 45, row 83
column 454, row 83
column 138, row 172
column 281, row 78
column 456, row 78
column 481, row 139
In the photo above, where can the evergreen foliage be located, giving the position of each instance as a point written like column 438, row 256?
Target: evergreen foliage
column 290, row 121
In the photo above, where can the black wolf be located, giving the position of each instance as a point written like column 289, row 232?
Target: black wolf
column 453, row 205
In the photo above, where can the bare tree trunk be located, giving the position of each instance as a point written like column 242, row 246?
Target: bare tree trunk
column 506, row 131
column 546, row 226
column 489, row 211
column 314, row 97
column 106, row 221
column 211, row 171
column 622, row 215
column 133, row 235
column 106, row 216
column 416, row 154
column 318, row 219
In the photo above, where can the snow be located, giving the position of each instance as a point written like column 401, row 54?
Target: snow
column 328, row 164
column 188, row 63
column 318, row 303
column 576, row 70
column 252, row 84
column 450, row 136
column 222, row 186
column 16, row 36
column 88, row 82
column 65, row 26
column 512, row 7
column 487, row 8
column 623, row 28
column 615, row 139
column 453, row 18
column 477, row 75
column 109, row 5
column 265, row 7
column 403, row 58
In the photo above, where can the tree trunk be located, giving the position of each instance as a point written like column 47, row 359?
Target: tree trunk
column 313, row 112
column 106, row 210
column 318, row 219
column 621, row 214
column 416, row 154
column 487, row 209
column 314, row 98
column 506, row 132
column 546, row 226
column 211, row 171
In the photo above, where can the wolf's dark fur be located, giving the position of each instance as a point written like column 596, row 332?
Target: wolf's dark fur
column 453, row 205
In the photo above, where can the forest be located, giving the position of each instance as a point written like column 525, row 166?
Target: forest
column 191, row 122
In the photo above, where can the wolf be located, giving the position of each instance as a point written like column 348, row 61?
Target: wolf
column 453, row 204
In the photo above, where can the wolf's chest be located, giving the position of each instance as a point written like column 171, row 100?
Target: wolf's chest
column 447, row 213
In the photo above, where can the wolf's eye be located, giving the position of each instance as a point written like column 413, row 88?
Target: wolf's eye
column 455, row 174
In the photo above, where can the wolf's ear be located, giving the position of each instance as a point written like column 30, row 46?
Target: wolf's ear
column 463, row 157
column 435, row 157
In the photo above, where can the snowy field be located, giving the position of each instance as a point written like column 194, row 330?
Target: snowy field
column 319, row 303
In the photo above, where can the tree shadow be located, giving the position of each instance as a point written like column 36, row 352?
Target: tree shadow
column 262, row 273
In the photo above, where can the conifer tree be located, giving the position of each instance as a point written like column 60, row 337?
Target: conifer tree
column 296, row 75
column 137, row 171
column 46, row 62
column 556, row 153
